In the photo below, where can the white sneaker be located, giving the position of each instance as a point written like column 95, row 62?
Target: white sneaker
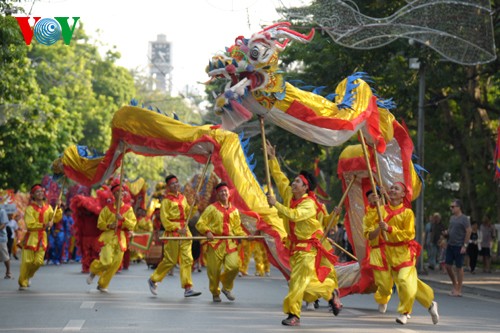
column 310, row 306
column 382, row 308
column 402, row 319
column 228, row 294
column 433, row 310
column 152, row 286
column 102, row 290
column 90, row 278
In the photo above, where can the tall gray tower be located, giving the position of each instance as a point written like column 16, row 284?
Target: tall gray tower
column 160, row 65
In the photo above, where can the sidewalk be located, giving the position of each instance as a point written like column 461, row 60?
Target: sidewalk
column 482, row 284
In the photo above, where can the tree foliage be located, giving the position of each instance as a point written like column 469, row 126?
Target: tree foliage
column 461, row 110
column 52, row 97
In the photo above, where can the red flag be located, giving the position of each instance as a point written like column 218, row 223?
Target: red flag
column 497, row 155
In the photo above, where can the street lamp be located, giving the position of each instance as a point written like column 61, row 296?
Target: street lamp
column 415, row 63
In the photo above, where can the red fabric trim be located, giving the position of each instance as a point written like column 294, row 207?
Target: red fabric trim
column 305, row 114
column 41, row 211
column 283, row 260
column 351, row 164
column 179, row 199
column 373, row 125
column 406, row 146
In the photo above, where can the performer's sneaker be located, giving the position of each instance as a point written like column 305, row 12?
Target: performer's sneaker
column 402, row 319
column 433, row 310
column 191, row 293
column 335, row 303
column 382, row 308
column 101, row 289
column 292, row 320
column 90, row 278
column 310, row 306
column 152, row 287
column 216, row 299
column 228, row 294
column 23, row 288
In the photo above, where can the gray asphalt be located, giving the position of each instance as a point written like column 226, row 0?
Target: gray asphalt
column 59, row 300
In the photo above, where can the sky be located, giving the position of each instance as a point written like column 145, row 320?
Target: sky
column 196, row 29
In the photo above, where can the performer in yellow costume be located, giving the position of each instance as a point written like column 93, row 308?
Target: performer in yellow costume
column 173, row 214
column 308, row 279
column 38, row 217
column 113, row 225
column 394, row 259
column 221, row 219
column 255, row 248
column 144, row 223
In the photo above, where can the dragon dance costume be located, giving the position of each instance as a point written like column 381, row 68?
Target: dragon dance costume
column 377, row 260
column 309, row 280
column 37, row 219
column 399, row 255
column 173, row 213
column 221, row 221
column 115, row 242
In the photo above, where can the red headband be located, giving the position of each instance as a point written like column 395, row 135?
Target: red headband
column 304, row 180
column 36, row 188
column 403, row 186
column 221, row 188
column 171, row 180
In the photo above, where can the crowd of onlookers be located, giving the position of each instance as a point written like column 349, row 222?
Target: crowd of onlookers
column 482, row 247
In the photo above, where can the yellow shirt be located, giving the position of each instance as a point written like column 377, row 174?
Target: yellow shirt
column 221, row 222
column 305, row 224
column 144, row 225
column 400, row 236
column 173, row 213
column 36, row 225
column 112, row 236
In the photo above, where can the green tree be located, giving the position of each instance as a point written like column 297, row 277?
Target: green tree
column 461, row 110
column 52, row 97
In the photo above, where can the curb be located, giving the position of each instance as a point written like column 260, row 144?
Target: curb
column 466, row 289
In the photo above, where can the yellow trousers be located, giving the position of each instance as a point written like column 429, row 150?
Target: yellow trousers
column 215, row 260
column 110, row 259
column 262, row 264
column 172, row 251
column 304, row 283
column 410, row 288
column 246, row 249
column 30, row 263
column 384, row 283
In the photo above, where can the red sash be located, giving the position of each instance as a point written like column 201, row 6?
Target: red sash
column 123, row 210
column 40, row 231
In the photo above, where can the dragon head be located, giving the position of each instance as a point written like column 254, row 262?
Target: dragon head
column 251, row 65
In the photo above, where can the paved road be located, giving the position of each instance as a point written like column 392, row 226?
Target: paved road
column 59, row 300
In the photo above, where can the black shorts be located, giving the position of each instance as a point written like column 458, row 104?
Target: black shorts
column 485, row 252
column 453, row 255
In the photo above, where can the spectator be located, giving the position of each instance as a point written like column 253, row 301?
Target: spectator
column 474, row 247
column 487, row 232
column 4, row 253
column 12, row 228
column 458, row 234
column 437, row 228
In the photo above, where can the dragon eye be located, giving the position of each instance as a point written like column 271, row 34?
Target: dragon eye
column 254, row 53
